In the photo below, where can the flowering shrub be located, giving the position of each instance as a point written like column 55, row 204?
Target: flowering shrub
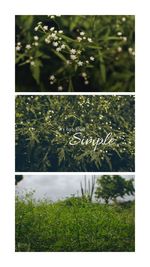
column 75, row 53
column 75, row 133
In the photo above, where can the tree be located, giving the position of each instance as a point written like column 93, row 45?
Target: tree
column 88, row 190
column 109, row 187
column 18, row 178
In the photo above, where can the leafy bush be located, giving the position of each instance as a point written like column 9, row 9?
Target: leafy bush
column 45, row 126
column 73, row 225
column 75, row 53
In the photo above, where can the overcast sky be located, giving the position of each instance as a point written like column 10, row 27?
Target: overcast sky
column 53, row 187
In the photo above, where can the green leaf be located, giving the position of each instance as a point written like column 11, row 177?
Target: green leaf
column 36, row 71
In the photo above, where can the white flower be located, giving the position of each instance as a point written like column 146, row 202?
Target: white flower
column 45, row 28
column 86, row 82
column 87, row 62
column 53, row 35
column 55, row 38
column 39, row 23
column 119, row 49
column 80, row 63
column 124, row 38
column 28, row 46
column 52, row 77
column 52, row 17
column 19, row 43
column 73, row 57
column 60, row 31
column 84, row 74
column 32, row 63
column 63, row 46
column 58, row 49
column 89, row 40
column 36, row 38
column 92, row 58
column 73, row 51
column 68, row 62
column 51, row 82
column 36, row 43
column 123, row 19
column 84, row 38
column 60, row 88
column 55, row 44
column 52, row 29
column 79, row 38
column 130, row 49
column 36, row 28
column 47, row 41
column 119, row 33
column 82, row 33
column 18, row 48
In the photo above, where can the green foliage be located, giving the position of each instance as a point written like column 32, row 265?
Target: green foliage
column 46, row 124
column 75, row 53
column 109, row 187
column 18, row 178
column 73, row 225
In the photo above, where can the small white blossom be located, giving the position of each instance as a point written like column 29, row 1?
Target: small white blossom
column 28, row 46
column 32, row 63
column 36, row 38
column 86, row 82
column 119, row 49
column 87, row 62
column 84, row 74
column 73, row 51
column 52, row 29
column 63, row 46
column 89, row 40
column 53, row 35
column 130, row 49
column 51, row 82
column 60, row 88
column 55, row 44
column 45, row 28
column 18, row 48
column 79, row 38
column 82, row 33
column 60, row 31
column 40, row 23
column 36, row 43
column 47, row 41
column 36, row 28
column 55, row 38
column 58, row 49
column 124, row 38
column 124, row 19
column 119, row 33
column 52, row 17
column 80, row 63
column 52, row 77
column 73, row 57
column 92, row 58
column 84, row 38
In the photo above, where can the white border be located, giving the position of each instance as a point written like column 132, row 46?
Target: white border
column 106, row 7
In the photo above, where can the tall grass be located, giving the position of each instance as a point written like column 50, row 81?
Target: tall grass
column 74, row 224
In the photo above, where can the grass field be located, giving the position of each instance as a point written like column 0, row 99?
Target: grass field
column 73, row 225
